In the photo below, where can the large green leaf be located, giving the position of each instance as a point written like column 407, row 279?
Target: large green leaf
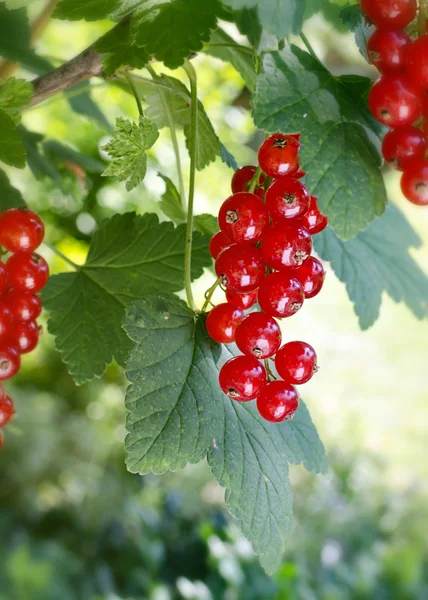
column 119, row 49
column 355, row 20
column 12, row 150
column 280, row 17
column 83, row 104
column 222, row 46
column 90, row 10
column 14, row 95
column 10, row 197
column 130, row 256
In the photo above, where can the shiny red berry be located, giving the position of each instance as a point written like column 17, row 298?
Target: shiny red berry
column 279, row 155
column 10, row 361
column 287, row 198
column 417, row 62
column 258, row 335
column 395, row 101
column 222, row 322
column 21, row 230
column 23, row 305
column 389, row 14
column 6, row 320
column 26, row 336
column 277, row 402
column 296, row 362
column 241, row 268
column 218, row 243
column 314, row 221
column 401, row 146
column 244, row 301
column 286, row 246
column 27, row 272
column 3, row 277
column 243, row 218
column 387, row 50
column 242, row 378
column 311, row 276
column 7, row 410
column 280, row 295
column 414, row 182
column 242, row 178
column 1, row 439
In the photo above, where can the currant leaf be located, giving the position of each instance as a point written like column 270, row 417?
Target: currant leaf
column 39, row 164
column 14, row 95
column 222, row 46
column 83, row 104
column 119, row 49
column 12, row 150
column 10, row 197
column 355, row 20
column 171, row 202
column 280, row 17
column 206, row 224
column 90, row 10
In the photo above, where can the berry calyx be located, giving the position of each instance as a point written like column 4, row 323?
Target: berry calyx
column 287, row 198
column 296, row 362
column 258, row 335
column 6, row 320
column 222, row 322
column 27, row 272
column 280, row 295
column 401, row 146
column 23, row 305
column 414, row 182
column 242, row 378
column 278, row 402
column 395, row 101
column 311, row 276
column 314, row 221
column 10, row 361
column 390, row 14
column 218, row 243
column 244, row 301
column 26, row 336
column 243, row 218
column 417, row 62
column 241, row 268
column 387, row 50
column 286, row 246
column 279, row 155
column 242, row 178
column 7, row 410
column 21, row 230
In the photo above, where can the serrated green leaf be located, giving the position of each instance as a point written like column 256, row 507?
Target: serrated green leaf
column 171, row 202
column 12, row 150
column 355, row 20
column 280, row 17
column 130, row 256
column 206, row 224
column 128, row 149
column 10, row 197
column 90, row 10
column 247, row 21
column 39, row 164
column 228, row 158
column 60, row 152
column 119, row 49
column 296, row 93
column 83, row 104
column 236, row 56
column 376, row 261
column 14, row 95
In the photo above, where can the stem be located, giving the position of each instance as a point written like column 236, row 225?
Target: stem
column 209, row 294
column 135, row 92
column 61, row 255
column 191, row 73
column 245, row 49
column 255, row 180
column 308, row 46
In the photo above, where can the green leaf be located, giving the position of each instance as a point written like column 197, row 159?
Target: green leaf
column 128, row 149
column 376, row 261
column 83, row 104
column 280, row 17
column 171, row 202
column 12, row 150
column 241, row 60
column 130, row 256
column 228, row 158
column 206, row 224
column 248, row 23
column 90, row 10
column 355, row 20
column 14, row 4
column 10, row 197
column 119, row 50
column 296, row 93
column 60, row 152
column 39, row 164
column 14, row 95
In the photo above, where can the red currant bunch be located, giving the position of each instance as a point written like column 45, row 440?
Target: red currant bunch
column 399, row 98
column 262, row 255
column 22, row 276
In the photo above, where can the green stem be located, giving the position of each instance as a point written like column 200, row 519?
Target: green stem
column 255, row 180
column 135, row 92
column 61, row 255
column 209, row 294
column 245, row 49
column 191, row 73
column 308, row 46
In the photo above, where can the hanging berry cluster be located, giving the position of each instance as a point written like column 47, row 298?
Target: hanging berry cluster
column 23, row 275
column 263, row 254
column 399, row 98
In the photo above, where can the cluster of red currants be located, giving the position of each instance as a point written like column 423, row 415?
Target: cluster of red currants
column 399, row 98
column 23, row 275
column 263, row 254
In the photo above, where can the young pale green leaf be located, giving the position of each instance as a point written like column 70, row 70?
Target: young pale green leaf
column 280, row 17
column 90, row 10
column 171, row 204
column 12, row 150
column 128, row 149
column 14, row 95
column 376, row 261
column 119, row 49
column 10, row 197
column 130, row 256
column 222, row 46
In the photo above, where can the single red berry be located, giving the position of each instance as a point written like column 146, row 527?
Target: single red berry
column 311, row 276
column 26, row 336
column 296, row 362
column 10, row 361
column 286, row 246
column 277, row 402
column 401, row 146
column 218, row 243
column 287, row 198
column 7, row 410
column 279, row 155
column 281, row 295
column 23, row 305
column 414, row 182
column 244, row 301
column 3, row 277
column 299, row 174
column 6, row 320
column 241, row 268
column 424, row 101
column 242, row 378
column 258, row 335
column 417, row 62
column 1, row 439
column 222, row 322
column 313, row 221
column 389, row 14
column 387, row 50
column 21, row 230
column 241, row 180
column 243, row 218
column 27, row 272
column 395, row 101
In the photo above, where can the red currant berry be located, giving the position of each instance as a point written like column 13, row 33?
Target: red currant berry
column 1, row 439
column 414, row 182
column 26, row 336
column 258, row 335
column 417, row 62
column 286, row 246
column 287, row 198
column 218, row 243
column 10, row 361
column 6, row 320
column 21, row 230
column 242, row 378
column 299, row 174
column 244, row 301
column 277, row 402
column 311, row 276
column 313, row 221
column 23, row 305
column 241, row 268
column 401, row 146
column 387, row 50
column 296, row 362
column 243, row 218
column 27, row 272
column 241, row 180
column 395, row 101
column 389, row 14
column 7, row 410
column 279, row 155
column 222, row 322
column 280, row 295
column 3, row 277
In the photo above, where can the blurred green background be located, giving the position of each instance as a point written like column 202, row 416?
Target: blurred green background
column 75, row 525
